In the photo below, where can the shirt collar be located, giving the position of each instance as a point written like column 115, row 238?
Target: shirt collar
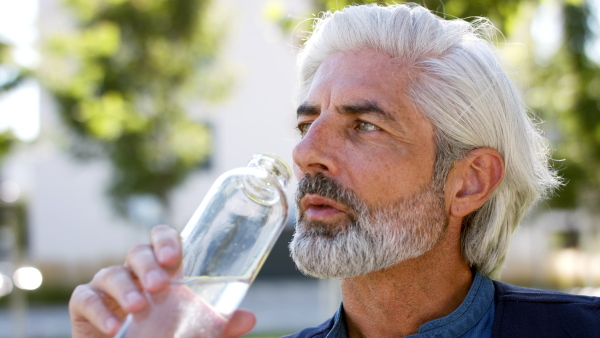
column 468, row 314
column 465, row 317
column 338, row 330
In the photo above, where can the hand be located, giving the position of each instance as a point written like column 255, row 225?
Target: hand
column 97, row 309
column 240, row 323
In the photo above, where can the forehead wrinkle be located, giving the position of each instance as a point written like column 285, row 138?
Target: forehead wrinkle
column 367, row 107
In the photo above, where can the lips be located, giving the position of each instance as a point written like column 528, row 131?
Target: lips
column 319, row 208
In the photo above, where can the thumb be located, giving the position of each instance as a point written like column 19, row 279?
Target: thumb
column 241, row 322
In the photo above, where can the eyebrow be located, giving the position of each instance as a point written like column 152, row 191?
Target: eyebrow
column 306, row 109
column 367, row 107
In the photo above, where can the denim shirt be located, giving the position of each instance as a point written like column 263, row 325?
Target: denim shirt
column 473, row 318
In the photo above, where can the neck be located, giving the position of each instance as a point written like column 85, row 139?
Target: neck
column 396, row 301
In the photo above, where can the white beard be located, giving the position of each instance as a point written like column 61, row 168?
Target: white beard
column 374, row 238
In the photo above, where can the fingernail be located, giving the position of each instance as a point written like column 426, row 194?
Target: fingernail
column 111, row 324
column 133, row 297
column 155, row 278
column 167, row 253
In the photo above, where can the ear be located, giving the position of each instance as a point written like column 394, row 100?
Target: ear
column 472, row 180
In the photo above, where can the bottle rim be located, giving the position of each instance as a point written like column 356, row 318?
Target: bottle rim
column 280, row 169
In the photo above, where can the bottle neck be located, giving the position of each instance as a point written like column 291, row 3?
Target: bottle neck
column 270, row 176
column 273, row 166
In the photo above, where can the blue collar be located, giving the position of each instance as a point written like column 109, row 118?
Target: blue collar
column 338, row 330
column 473, row 317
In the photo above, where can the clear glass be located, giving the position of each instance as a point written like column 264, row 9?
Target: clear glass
column 225, row 244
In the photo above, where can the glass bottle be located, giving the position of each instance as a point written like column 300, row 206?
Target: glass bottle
column 225, row 244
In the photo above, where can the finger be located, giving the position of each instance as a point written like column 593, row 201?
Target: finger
column 117, row 283
column 142, row 262
column 86, row 307
column 166, row 242
column 240, row 323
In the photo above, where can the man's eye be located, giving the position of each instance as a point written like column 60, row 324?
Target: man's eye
column 303, row 128
column 366, row 126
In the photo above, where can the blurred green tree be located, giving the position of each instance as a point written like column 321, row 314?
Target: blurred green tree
column 124, row 79
column 565, row 90
column 563, row 87
column 11, row 75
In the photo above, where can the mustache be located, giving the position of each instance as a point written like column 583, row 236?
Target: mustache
column 322, row 185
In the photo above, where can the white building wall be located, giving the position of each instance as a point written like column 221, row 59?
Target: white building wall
column 71, row 221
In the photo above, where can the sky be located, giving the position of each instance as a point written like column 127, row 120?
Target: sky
column 594, row 46
column 19, row 109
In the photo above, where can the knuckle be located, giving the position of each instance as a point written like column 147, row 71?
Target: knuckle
column 84, row 297
column 162, row 229
column 164, row 235
column 79, row 289
column 89, row 299
column 136, row 250
column 105, row 273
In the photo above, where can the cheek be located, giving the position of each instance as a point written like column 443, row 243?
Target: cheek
column 385, row 177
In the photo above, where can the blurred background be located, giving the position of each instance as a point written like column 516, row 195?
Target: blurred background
column 117, row 115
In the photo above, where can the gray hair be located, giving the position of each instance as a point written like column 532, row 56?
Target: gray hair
column 458, row 83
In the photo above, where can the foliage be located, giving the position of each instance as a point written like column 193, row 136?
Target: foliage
column 7, row 141
column 566, row 91
column 563, row 88
column 11, row 75
column 123, row 80
column 502, row 13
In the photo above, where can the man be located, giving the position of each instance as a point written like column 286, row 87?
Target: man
column 416, row 163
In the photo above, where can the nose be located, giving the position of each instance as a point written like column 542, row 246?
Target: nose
column 317, row 151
